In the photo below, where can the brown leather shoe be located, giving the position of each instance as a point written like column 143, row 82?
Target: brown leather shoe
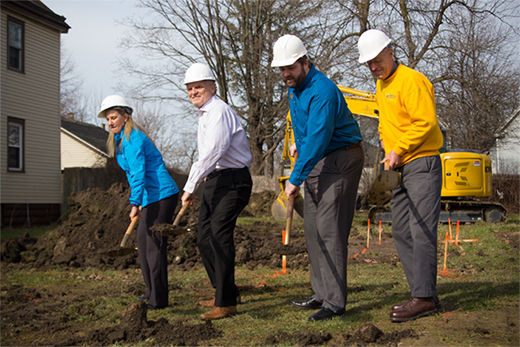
column 211, row 303
column 415, row 308
column 398, row 307
column 219, row 312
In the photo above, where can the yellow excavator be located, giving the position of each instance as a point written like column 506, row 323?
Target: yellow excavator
column 466, row 178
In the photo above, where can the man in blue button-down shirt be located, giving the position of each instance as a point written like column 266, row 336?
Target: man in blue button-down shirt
column 329, row 159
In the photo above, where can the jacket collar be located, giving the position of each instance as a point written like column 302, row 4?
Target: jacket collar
column 119, row 135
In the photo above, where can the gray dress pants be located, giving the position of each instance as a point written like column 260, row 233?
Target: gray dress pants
column 416, row 207
column 330, row 201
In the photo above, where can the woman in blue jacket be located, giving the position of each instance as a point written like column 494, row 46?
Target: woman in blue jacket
column 151, row 187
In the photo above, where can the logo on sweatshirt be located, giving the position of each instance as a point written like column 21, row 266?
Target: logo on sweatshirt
column 391, row 96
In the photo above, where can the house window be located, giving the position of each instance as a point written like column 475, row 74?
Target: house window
column 15, row 144
column 15, row 44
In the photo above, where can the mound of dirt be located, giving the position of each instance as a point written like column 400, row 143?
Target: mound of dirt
column 92, row 233
column 370, row 334
column 135, row 327
column 98, row 219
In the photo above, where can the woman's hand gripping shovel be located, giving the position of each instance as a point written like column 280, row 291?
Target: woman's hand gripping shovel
column 172, row 229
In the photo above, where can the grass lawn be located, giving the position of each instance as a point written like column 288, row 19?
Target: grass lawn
column 479, row 292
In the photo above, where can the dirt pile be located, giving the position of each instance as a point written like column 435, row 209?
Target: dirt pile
column 92, row 233
column 98, row 219
column 135, row 327
column 367, row 334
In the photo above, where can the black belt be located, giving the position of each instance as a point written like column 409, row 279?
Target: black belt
column 217, row 173
column 355, row 145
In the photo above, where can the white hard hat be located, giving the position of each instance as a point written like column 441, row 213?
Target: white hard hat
column 113, row 101
column 198, row 72
column 286, row 50
column 371, row 43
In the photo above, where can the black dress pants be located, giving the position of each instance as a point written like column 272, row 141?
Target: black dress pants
column 152, row 249
column 226, row 193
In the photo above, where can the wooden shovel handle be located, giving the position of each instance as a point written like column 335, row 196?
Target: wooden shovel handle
column 288, row 221
column 179, row 215
column 129, row 230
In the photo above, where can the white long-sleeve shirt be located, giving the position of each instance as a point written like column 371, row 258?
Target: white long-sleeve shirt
column 221, row 140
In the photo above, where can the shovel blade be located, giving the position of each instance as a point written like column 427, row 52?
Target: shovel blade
column 168, row 230
column 173, row 231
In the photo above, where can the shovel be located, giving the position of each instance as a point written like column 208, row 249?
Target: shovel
column 288, row 221
column 171, row 229
column 122, row 251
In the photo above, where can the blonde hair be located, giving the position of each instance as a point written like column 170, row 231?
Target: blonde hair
column 129, row 126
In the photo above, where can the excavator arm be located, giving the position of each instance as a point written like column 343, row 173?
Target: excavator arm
column 359, row 102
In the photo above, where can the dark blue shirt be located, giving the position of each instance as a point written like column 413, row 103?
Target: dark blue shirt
column 321, row 122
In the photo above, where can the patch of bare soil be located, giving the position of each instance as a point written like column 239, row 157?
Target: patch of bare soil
column 98, row 219
column 367, row 334
column 135, row 327
column 370, row 334
column 511, row 237
column 23, row 309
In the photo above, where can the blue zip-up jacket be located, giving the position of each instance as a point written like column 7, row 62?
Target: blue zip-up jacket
column 144, row 166
column 321, row 122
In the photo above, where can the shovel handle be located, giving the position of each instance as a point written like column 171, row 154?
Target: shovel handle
column 288, row 221
column 129, row 230
column 179, row 215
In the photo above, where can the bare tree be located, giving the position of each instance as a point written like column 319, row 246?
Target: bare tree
column 70, row 88
column 484, row 84
column 177, row 152
column 235, row 39
column 467, row 48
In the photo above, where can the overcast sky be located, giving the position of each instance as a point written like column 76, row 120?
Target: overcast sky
column 94, row 37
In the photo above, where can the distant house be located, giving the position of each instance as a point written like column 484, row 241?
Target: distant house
column 82, row 145
column 30, row 113
column 504, row 154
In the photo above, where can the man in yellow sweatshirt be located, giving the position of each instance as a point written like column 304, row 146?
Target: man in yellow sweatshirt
column 410, row 137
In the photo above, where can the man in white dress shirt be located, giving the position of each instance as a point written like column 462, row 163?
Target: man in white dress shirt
column 223, row 164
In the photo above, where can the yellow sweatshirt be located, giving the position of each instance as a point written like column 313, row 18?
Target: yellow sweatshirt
column 407, row 119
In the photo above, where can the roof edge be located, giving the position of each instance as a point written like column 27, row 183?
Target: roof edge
column 38, row 11
column 79, row 139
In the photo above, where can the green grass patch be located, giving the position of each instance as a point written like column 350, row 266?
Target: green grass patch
column 13, row 233
column 480, row 291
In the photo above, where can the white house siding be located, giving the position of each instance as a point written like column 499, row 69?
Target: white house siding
column 505, row 155
column 34, row 97
column 76, row 154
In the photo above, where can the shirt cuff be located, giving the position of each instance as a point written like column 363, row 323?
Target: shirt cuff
column 189, row 187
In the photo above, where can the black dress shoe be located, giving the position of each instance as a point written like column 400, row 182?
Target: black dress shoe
column 307, row 303
column 324, row 314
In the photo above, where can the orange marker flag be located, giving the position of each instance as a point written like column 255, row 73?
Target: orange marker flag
column 368, row 234
column 457, row 234
column 283, row 236
column 449, row 225
column 284, row 264
column 379, row 233
column 445, row 252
